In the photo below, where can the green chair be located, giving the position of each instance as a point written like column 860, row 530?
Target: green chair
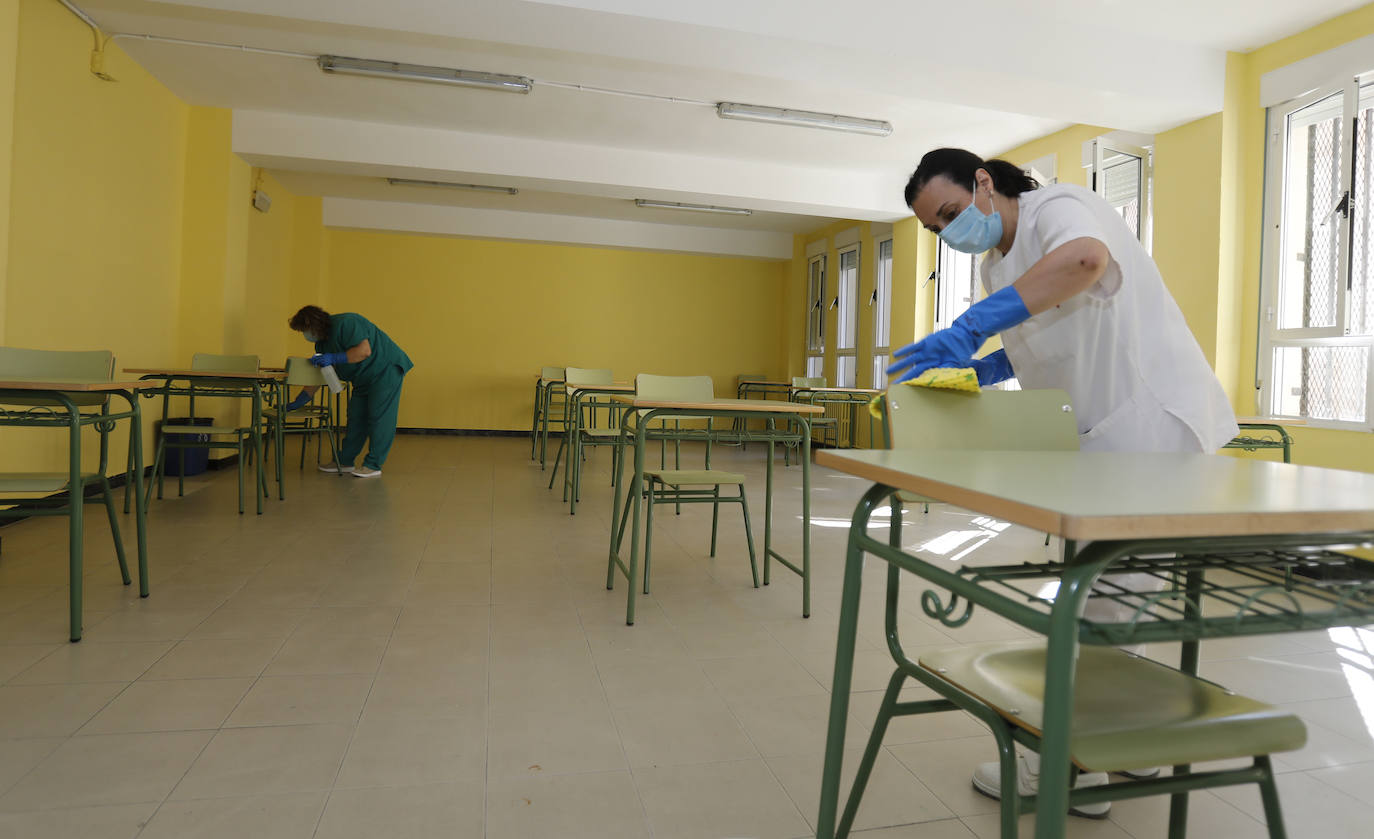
column 315, row 418
column 585, row 429
column 51, row 493
column 686, row 486
column 549, row 403
column 239, row 435
column 1128, row 712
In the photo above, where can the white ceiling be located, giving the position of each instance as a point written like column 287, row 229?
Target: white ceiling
column 986, row 74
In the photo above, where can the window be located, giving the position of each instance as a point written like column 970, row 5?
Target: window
column 881, row 304
column 847, row 320
column 955, row 282
column 1317, row 310
column 815, row 315
column 1122, row 174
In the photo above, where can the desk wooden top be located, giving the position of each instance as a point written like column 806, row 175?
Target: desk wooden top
column 1110, row 495
column 613, row 387
column 183, row 373
column 750, row 382
column 763, row 406
column 71, row 385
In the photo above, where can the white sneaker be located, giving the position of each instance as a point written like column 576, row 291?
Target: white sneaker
column 365, row 472
column 1140, row 774
column 334, row 468
column 987, row 779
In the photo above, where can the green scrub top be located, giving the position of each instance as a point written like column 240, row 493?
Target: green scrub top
column 349, row 330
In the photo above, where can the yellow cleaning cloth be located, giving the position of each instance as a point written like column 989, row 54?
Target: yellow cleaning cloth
column 948, row 378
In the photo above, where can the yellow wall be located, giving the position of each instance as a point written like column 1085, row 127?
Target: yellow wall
column 479, row 318
column 94, row 257
column 1067, row 148
column 9, row 56
column 1187, row 224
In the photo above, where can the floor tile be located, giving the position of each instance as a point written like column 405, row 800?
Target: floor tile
column 215, row 658
column 328, row 655
column 685, row 730
column 261, row 817
column 297, row 700
column 401, row 752
column 894, row 796
column 16, row 658
column 52, row 710
column 169, row 705
column 593, row 806
column 112, row 662
column 107, row 769
column 118, row 821
column 409, row 812
column 242, row 762
column 740, row 798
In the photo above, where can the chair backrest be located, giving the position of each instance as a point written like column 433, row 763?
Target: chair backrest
column 208, row 362
column 1022, row 420
column 675, row 388
column 808, row 381
column 301, row 373
column 552, row 374
column 57, row 364
column 586, row 376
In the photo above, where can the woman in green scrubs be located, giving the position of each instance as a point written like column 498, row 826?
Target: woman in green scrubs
column 366, row 356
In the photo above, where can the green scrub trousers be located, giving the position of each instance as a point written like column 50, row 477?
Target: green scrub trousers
column 372, row 411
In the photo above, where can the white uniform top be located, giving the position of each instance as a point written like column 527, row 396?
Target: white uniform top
column 1121, row 349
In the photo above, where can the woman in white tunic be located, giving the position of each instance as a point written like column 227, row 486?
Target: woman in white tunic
column 1080, row 306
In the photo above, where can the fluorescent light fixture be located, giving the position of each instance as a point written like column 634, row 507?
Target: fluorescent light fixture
column 805, row 119
column 423, row 73
column 508, row 190
column 698, row 208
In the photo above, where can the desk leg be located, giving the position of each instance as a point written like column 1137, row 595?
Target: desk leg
column 768, row 510
column 844, row 663
column 805, row 453
column 260, row 481
column 534, row 421
column 140, row 498
column 636, row 481
column 76, row 499
column 1062, row 651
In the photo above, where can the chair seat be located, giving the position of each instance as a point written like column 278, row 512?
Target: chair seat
column 1129, row 712
column 39, row 481
column 601, row 433
column 203, row 429
column 681, row 477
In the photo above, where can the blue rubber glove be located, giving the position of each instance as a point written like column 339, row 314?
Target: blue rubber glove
column 328, row 359
column 302, row 399
column 993, row 368
column 955, row 346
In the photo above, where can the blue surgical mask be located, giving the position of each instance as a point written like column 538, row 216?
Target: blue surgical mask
column 973, row 231
column 311, row 337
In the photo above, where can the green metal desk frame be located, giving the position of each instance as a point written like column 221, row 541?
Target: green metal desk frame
column 1250, row 442
column 69, row 416
column 219, row 384
column 634, row 427
column 1259, row 594
column 855, row 399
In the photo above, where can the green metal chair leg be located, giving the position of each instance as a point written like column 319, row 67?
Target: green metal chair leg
column 749, row 536
column 239, row 460
column 648, row 534
column 715, row 516
column 1269, row 794
column 114, row 529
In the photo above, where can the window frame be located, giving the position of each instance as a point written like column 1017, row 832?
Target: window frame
column 945, row 259
column 1270, row 337
column 881, row 305
column 814, row 315
column 847, row 303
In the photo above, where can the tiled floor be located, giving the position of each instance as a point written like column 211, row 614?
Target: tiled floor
column 435, row 654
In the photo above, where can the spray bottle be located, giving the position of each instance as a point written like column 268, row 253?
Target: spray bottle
column 330, row 377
